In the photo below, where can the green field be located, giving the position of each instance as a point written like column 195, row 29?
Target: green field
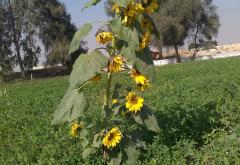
column 197, row 105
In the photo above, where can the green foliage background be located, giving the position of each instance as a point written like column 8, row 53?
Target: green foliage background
column 197, row 105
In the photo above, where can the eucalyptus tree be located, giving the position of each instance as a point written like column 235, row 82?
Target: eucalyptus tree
column 178, row 20
column 22, row 32
column 55, row 30
column 204, row 25
column 6, row 57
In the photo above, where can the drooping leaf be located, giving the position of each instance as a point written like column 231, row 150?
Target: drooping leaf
column 141, row 60
column 78, row 36
column 115, row 158
column 85, row 143
column 83, row 133
column 97, row 141
column 125, row 33
column 132, row 154
column 87, row 152
column 91, row 3
column 147, row 118
column 72, row 106
column 122, row 3
column 144, row 63
column 86, row 67
column 130, row 55
column 154, row 31
column 136, row 138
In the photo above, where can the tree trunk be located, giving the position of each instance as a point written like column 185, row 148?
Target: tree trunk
column 195, row 44
column 178, row 57
column 160, row 51
column 20, row 62
column 15, row 41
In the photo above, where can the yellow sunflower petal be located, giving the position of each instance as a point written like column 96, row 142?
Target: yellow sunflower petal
column 116, row 64
column 75, row 128
column 134, row 103
column 112, row 138
column 104, row 37
column 145, row 40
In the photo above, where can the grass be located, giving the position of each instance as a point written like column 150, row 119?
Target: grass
column 197, row 105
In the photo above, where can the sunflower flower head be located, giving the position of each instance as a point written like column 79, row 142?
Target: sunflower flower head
column 134, row 102
column 104, row 37
column 150, row 5
column 75, row 128
column 114, row 101
column 116, row 63
column 132, row 11
column 146, row 24
column 116, row 8
column 112, row 138
column 142, row 82
column 145, row 40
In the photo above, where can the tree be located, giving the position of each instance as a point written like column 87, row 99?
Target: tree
column 173, row 21
column 20, row 24
column 6, row 58
column 55, row 30
column 204, row 25
column 177, row 19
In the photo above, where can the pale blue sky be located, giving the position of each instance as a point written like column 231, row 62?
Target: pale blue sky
column 229, row 11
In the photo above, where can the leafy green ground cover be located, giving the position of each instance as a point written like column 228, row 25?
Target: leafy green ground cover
column 197, row 105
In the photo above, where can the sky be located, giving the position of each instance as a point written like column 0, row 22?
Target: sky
column 228, row 10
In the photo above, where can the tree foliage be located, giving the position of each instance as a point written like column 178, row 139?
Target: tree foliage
column 178, row 20
column 56, row 30
column 6, row 57
column 19, row 22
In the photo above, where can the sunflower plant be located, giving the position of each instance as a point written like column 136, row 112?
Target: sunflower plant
column 125, row 115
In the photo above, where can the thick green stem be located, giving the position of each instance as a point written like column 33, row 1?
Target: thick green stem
column 108, row 87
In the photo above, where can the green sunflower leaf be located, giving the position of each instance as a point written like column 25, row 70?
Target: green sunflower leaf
column 144, row 63
column 147, row 118
column 115, row 158
column 132, row 154
column 125, row 33
column 78, row 36
column 91, row 3
column 72, row 107
column 97, row 141
column 141, row 60
column 86, row 67
column 87, row 152
column 155, row 30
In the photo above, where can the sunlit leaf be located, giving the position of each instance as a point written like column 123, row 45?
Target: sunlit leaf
column 97, row 141
column 125, row 33
column 132, row 154
column 144, row 63
column 91, row 3
column 86, row 67
column 78, row 36
column 147, row 118
column 87, row 152
column 115, row 158
column 72, row 106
